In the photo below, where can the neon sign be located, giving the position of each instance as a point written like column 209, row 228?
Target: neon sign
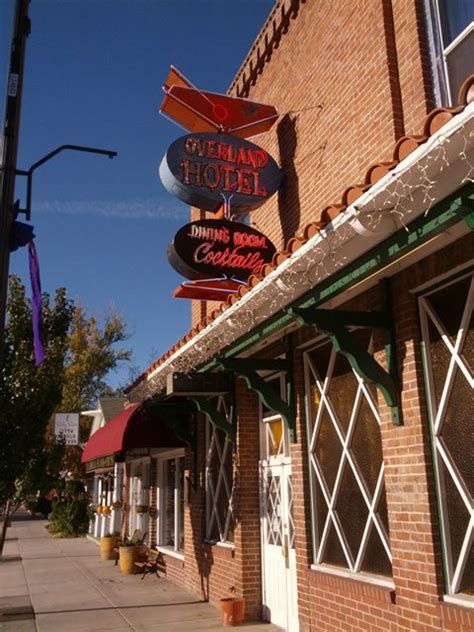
column 201, row 168
column 209, row 248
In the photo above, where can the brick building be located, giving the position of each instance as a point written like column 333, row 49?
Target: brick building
column 331, row 484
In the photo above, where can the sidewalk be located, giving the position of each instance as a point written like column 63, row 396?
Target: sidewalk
column 62, row 586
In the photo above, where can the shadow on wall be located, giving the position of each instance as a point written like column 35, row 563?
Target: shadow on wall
column 288, row 195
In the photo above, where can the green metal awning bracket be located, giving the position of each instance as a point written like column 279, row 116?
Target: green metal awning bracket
column 247, row 370
column 466, row 210
column 169, row 414
column 240, row 365
column 216, row 418
column 334, row 323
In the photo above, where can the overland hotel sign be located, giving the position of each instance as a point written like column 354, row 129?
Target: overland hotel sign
column 201, row 168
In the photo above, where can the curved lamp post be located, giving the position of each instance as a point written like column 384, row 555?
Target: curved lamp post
column 5, row 256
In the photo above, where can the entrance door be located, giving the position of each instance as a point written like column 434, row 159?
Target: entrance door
column 277, row 527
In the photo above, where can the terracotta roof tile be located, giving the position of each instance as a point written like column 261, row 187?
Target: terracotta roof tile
column 403, row 148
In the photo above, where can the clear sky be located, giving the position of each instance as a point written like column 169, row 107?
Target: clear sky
column 93, row 76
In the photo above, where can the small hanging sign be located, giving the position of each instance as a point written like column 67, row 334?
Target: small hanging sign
column 210, row 248
column 201, row 168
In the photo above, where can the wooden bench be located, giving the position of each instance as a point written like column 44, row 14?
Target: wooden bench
column 154, row 562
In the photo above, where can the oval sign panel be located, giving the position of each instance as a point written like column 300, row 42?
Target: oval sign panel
column 211, row 248
column 200, row 168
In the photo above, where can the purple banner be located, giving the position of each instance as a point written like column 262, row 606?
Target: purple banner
column 36, row 304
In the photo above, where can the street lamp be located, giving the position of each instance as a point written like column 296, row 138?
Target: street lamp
column 41, row 161
column 8, row 212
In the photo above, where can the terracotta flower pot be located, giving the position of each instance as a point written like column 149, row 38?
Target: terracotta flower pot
column 107, row 546
column 232, row 610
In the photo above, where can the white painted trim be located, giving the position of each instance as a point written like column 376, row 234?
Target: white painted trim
column 457, row 40
column 365, row 578
column 168, row 550
column 465, row 601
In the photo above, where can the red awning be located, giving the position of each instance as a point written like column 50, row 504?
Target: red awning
column 130, row 429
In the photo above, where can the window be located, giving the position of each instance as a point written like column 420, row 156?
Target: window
column 274, row 442
column 219, row 480
column 350, row 521
column 448, row 335
column 452, row 23
column 171, row 500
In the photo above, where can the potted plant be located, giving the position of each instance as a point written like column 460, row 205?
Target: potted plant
column 232, row 609
column 129, row 553
column 106, row 510
column 108, row 544
column 117, row 504
column 141, row 508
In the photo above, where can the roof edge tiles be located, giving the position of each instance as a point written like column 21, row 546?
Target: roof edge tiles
column 274, row 27
column 436, row 124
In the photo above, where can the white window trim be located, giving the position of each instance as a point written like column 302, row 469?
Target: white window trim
column 213, row 442
column 439, row 53
column 362, row 576
column 373, row 520
column 454, row 568
column 160, row 498
column 168, row 550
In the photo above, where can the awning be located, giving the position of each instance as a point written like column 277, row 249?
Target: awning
column 132, row 428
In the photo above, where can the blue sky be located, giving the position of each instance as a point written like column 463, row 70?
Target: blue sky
column 94, row 70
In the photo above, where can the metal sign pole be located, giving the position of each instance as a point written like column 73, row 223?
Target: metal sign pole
column 21, row 30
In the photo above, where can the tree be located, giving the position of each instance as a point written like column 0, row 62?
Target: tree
column 79, row 354
column 92, row 355
column 28, row 394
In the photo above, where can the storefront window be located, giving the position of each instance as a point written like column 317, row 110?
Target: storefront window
column 219, row 481
column 448, row 335
column 172, row 505
column 350, row 524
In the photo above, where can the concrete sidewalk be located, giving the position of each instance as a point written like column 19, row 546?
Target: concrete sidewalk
column 60, row 585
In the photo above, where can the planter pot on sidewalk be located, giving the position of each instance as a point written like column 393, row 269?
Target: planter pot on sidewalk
column 232, row 611
column 107, row 546
column 128, row 555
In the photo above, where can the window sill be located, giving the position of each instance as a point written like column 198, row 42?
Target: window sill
column 462, row 601
column 375, row 586
column 171, row 552
column 220, row 549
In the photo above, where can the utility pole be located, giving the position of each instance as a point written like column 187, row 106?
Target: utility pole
column 11, row 125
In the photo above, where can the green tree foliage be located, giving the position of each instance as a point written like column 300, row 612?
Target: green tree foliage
column 92, row 354
column 28, row 394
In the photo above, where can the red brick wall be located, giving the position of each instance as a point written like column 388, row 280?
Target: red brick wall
column 209, row 569
column 348, row 79
column 336, row 603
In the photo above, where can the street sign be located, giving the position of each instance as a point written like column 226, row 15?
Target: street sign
column 66, row 425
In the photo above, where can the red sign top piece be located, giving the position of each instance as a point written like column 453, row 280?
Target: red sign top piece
column 207, row 289
column 199, row 111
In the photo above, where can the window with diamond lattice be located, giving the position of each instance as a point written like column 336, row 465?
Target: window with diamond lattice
column 350, row 521
column 447, row 329
column 219, row 480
